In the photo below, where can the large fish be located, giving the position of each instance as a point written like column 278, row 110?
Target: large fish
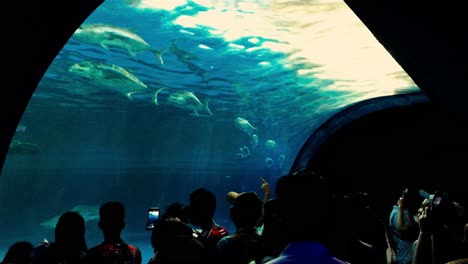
column 89, row 213
column 111, row 76
column 188, row 100
column 271, row 146
column 245, row 126
column 109, row 36
column 185, row 57
column 23, row 148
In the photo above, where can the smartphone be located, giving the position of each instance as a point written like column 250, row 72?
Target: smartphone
column 437, row 200
column 152, row 217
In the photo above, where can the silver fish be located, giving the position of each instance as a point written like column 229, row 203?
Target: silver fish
column 281, row 160
column 111, row 76
column 109, row 36
column 254, row 140
column 244, row 125
column 188, row 100
column 271, row 145
column 269, row 163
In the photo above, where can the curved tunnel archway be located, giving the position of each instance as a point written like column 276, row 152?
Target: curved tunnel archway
column 409, row 141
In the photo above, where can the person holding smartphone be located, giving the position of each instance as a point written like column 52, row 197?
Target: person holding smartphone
column 403, row 224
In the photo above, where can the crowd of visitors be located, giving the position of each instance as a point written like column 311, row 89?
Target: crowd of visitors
column 305, row 222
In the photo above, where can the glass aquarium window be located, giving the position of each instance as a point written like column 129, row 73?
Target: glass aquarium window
column 151, row 99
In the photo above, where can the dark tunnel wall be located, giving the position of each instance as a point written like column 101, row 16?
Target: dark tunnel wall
column 36, row 32
column 417, row 145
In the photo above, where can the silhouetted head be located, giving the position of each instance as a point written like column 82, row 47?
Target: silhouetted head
column 305, row 205
column 112, row 218
column 246, row 209
column 70, row 232
column 202, row 207
column 175, row 244
column 178, row 210
column 274, row 236
column 166, row 230
column 19, row 253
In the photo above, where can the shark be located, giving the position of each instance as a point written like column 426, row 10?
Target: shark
column 89, row 213
column 109, row 36
column 110, row 76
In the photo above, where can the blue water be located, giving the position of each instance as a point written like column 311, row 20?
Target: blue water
column 98, row 145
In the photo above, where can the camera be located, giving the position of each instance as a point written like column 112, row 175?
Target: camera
column 440, row 200
column 152, row 217
column 442, row 209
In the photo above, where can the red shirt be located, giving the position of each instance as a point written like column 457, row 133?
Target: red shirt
column 113, row 253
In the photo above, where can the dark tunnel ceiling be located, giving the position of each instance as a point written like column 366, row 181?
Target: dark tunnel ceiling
column 426, row 39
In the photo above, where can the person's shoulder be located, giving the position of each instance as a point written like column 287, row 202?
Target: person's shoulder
column 96, row 247
column 45, row 246
column 95, row 250
column 41, row 246
column 394, row 212
column 224, row 240
column 38, row 252
column 133, row 248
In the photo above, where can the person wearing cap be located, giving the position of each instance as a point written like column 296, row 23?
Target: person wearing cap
column 243, row 246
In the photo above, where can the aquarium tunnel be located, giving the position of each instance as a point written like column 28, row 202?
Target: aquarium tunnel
column 147, row 100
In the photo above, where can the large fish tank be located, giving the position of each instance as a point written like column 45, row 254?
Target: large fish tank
column 237, row 90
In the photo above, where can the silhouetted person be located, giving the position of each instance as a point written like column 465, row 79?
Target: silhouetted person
column 69, row 245
column 404, row 224
column 176, row 210
column 305, row 205
column 243, row 246
column 274, row 237
column 440, row 237
column 361, row 238
column 174, row 243
column 113, row 250
column 201, row 210
column 18, row 253
column 173, row 234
